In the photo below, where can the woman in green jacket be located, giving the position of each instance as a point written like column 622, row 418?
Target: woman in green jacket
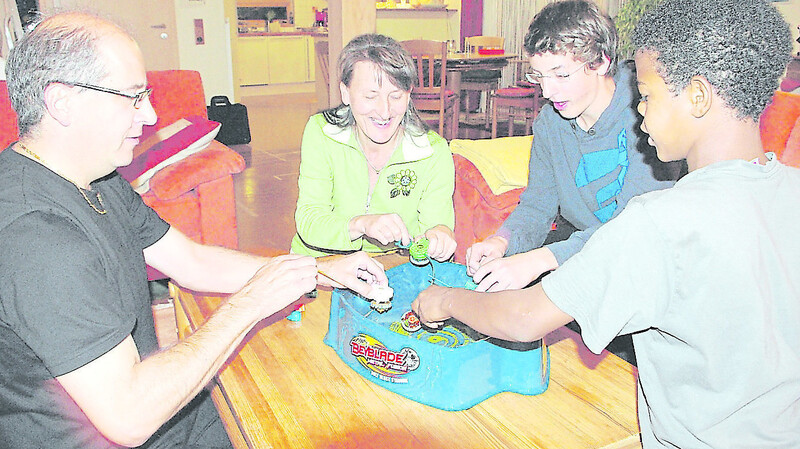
column 371, row 173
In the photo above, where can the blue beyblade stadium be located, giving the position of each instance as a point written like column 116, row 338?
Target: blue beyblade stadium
column 452, row 368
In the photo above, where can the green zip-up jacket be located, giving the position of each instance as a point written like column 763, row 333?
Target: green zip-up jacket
column 417, row 184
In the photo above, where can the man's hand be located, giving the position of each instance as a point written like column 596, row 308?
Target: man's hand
column 432, row 306
column 357, row 271
column 442, row 242
column 278, row 283
column 385, row 228
column 483, row 252
column 514, row 272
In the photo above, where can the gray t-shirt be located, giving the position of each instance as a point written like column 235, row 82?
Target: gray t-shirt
column 706, row 277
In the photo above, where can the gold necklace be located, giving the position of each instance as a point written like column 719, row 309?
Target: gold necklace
column 376, row 170
column 371, row 166
column 101, row 210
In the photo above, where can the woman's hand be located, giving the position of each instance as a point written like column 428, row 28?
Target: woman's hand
column 442, row 242
column 385, row 228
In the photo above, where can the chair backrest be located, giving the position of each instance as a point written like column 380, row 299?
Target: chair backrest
column 176, row 94
column 430, row 59
column 521, row 67
column 474, row 43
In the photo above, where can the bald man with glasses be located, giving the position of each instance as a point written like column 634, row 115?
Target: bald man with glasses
column 79, row 360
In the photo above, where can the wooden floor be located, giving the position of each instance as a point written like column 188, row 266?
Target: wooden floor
column 266, row 191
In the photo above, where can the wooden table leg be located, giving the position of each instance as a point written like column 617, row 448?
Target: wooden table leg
column 454, row 81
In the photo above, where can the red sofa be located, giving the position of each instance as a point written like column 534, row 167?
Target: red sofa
column 195, row 194
column 480, row 212
column 780, row 127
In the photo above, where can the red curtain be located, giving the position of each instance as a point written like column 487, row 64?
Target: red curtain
column 471, row 19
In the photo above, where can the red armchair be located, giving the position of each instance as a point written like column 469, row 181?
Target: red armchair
column 196, row 194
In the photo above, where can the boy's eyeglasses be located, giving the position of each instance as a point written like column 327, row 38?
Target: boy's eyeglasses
column 536, row 78
column 137, row 97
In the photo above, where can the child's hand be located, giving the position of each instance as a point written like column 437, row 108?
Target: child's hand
column 484, row 252
column 514, row 272
column 442, row 242
column 432, row 306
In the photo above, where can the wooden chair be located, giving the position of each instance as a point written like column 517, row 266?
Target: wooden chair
column 515, row 103
column 481, row 81
column 474, row 43
column 430, row 96
column 519, row 102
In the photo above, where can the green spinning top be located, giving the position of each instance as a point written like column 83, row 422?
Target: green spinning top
column 419, row 251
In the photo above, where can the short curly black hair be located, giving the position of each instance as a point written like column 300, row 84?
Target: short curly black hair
column 741, row 47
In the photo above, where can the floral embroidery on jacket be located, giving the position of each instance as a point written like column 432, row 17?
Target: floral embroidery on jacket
column 403, row 181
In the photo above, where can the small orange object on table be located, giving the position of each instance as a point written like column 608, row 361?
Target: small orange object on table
column 490, row 51
column 286, row 389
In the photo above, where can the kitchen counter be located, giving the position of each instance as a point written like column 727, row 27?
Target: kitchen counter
column 275, row 58
column 285, row 33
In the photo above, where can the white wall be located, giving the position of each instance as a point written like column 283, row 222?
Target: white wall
column 213, row 58
column 791, row 12
column 790, row 9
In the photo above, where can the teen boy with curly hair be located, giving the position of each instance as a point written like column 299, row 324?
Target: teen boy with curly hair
column 703, row 274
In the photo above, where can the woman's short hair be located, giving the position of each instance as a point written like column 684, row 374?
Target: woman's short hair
column 60, row 49
column 741, row 47
column 393, row 64
column 574, row 27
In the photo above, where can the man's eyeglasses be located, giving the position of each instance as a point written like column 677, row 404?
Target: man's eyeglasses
column 536, row 78
column 137, row 97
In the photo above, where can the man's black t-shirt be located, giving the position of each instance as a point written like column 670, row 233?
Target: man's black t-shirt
column 73, row 285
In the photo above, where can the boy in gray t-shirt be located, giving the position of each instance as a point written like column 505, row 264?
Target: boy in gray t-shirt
column 704, row 274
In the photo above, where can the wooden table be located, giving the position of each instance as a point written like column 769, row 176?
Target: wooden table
column 286, row 389
column 458, row 63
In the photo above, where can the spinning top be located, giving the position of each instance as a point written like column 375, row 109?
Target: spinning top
column 410, row 322
column 381, row 298
column 418, row 252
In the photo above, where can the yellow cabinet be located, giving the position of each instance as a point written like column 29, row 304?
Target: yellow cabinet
column 288, row 59
column 276, row 60
column 253, row 54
